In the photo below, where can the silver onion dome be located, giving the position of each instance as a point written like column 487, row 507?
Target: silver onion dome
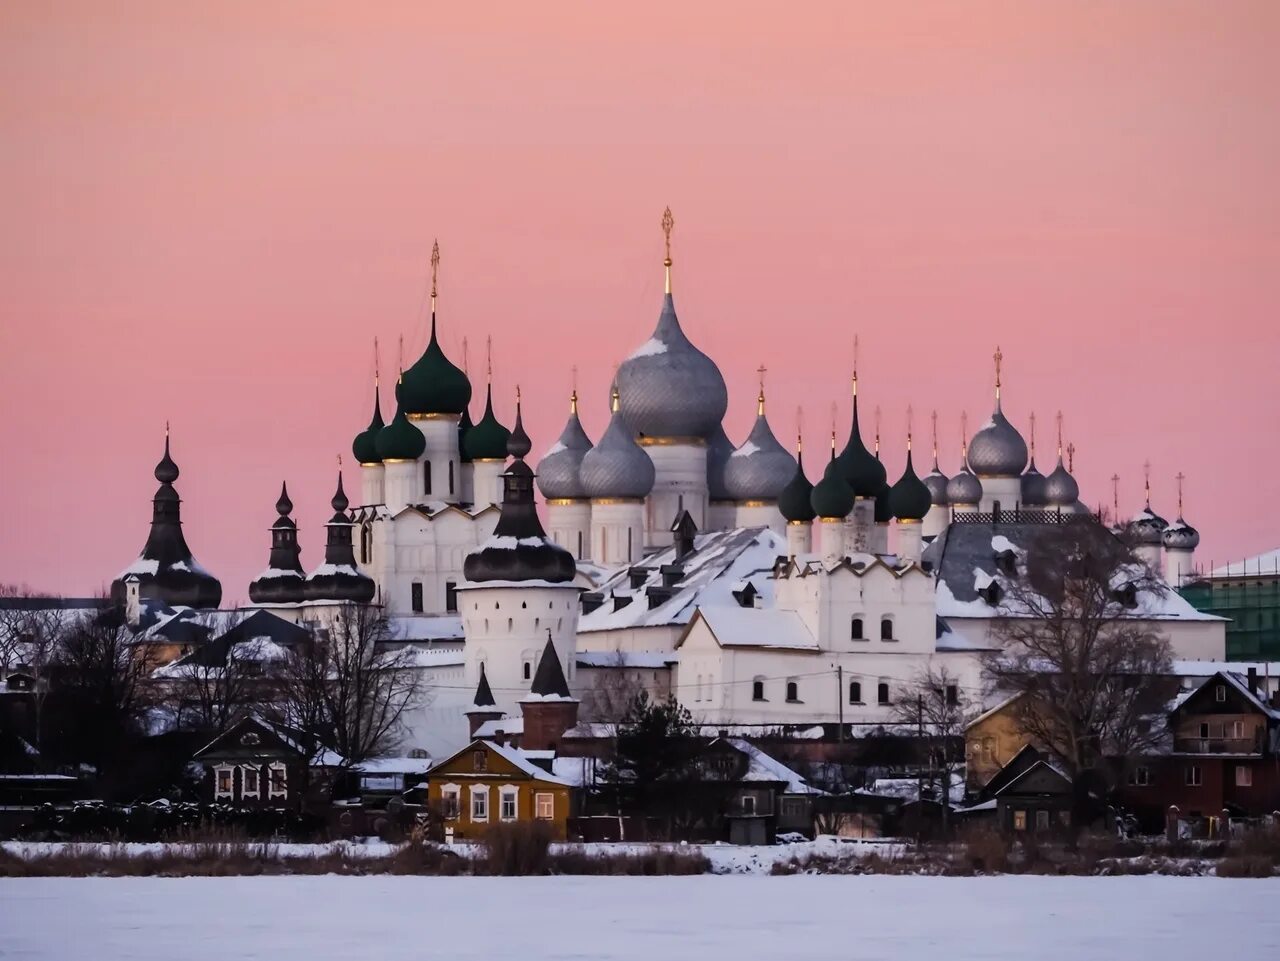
column 617, row 466
column 964, row 490
column 1148, row 527
column 1034, row 484
column 997, row 449
column 761, row 467
column 719, row 450
column 1180, row 536
column 670, row 388
column 1061, row 489
column 560, row 470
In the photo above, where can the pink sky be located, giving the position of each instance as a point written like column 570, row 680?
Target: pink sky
column 209, row 214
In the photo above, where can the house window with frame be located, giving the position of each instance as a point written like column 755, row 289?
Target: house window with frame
column 855, row 692
column 451, row 597
column 757, row 689
column 1042, row 820
column 479, row 804
column 223, row 782
column 249, row 776
column 855, row 630
column 415, row 597
column 449, row 806
column 1244, row 775
column 988, row 749
column 1193, row 775
column 749, row 805
column 544, row 806
column 507, row 804
column 1140, row 777
column 366, row 543
column 277, row 781
column 886, row 629
column 1019, row 820
column 793, row 692
column 882, row 693
column 1220, row 693
column 480, row 760
column 527, row 669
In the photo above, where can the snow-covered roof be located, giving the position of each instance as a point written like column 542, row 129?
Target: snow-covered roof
column 654, row 660
column 1260, row 565
column 764, row 767
column 523, row 763
column 964, row 556
column 426, row 627
column 411, row 655
column 719, row 560
column 393, row 765
column 578, row 771
column 908, row 788
column 1187, row 668
column 753, row 627
column 503, row 725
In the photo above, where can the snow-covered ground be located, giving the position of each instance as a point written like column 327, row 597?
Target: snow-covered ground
column 638, row 919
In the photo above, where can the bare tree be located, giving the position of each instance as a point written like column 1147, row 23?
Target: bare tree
column 612, row 692
column 348, row 690
column 935, row 709
column 215, row 685
column 1078, row 640
column 31, row 629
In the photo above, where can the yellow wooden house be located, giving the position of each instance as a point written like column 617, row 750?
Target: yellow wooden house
column 487, row 783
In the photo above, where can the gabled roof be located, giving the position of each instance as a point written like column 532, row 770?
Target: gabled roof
column 992, row 711
column 1040, row 768
column 513, row 756
column 764, row 767
column 286, row 736
column 754, row 627
column 719, row 560
column 1026, row 758
column 259, row 626
column 1237, row 684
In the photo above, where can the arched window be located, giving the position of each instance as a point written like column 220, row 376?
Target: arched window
column 886, row 628
column 882, row 692
column 855, row 629
column 426, row 477
column 793, row 691
column 579, row 545
column 855, row 692
column 510, row 625
column 757, row 689
column 524, row 605
column 366, row 544
column 528, row 670
column 450, row 477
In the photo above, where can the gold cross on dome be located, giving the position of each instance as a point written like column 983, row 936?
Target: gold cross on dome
column 667, row 223
column 999, row 358
column 435, row 266
column 1180, row 478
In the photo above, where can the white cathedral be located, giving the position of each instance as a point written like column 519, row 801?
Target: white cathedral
column 670, row 559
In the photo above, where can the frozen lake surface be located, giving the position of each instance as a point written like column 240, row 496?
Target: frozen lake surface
column 638, row 919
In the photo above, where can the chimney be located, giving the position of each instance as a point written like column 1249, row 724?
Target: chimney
column 683, row 531
column 1253, row 680
column 133, row 601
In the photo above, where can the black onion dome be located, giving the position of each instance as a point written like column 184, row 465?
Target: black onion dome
column 166, row 571
column 434, row 384
column 1034, row 487
column 795, row 502
column 997, row 449
column 761, row 467
column 670, row 388
column 519, row 549
column 338, row 578
column 964, row 490
column 1060, row 488
column 719, row 450
column 518, row 444
column 487, row 440
column 400, row 440
column 1180, row 536
column 936, row 481
column 365, row 447
column 909, row 498
column 1148, row 527
column 862, row 469
column 559, row 476
column 832, row 496
column 283, row 582
column 617, row 466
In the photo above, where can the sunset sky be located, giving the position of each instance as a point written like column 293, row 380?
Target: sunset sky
column 210, row 211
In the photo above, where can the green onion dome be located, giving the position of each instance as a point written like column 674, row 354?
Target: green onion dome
column 365, row 446
column 434, row 384
column 909, row 498
column 832, row 496
column 487, row 440
column 862, row 470
column 400, row 440
column 795, row 502
column 464, row 424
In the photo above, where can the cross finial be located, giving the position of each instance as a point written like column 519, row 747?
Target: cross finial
column 877, row 431
column 909, row 414
column 933, row 422
column 855, row 365
column 1071, row 457
column 1180, row 477
column 1146, row 480
column 466, row 366
column 1033, row 436
column 1059, row 419
column 166, row 431
column 573, row 394
column 1115, row 496
column 999, row 358
column 760, row 399
column 517, row 393
column 435, row 270
column 833, row 429
column 667, row 223
column 488, row 363
column 375, row 362
column 799, row 429
column 964, row 438
column 339, row 463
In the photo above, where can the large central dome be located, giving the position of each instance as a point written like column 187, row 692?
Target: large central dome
column 669, row 388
